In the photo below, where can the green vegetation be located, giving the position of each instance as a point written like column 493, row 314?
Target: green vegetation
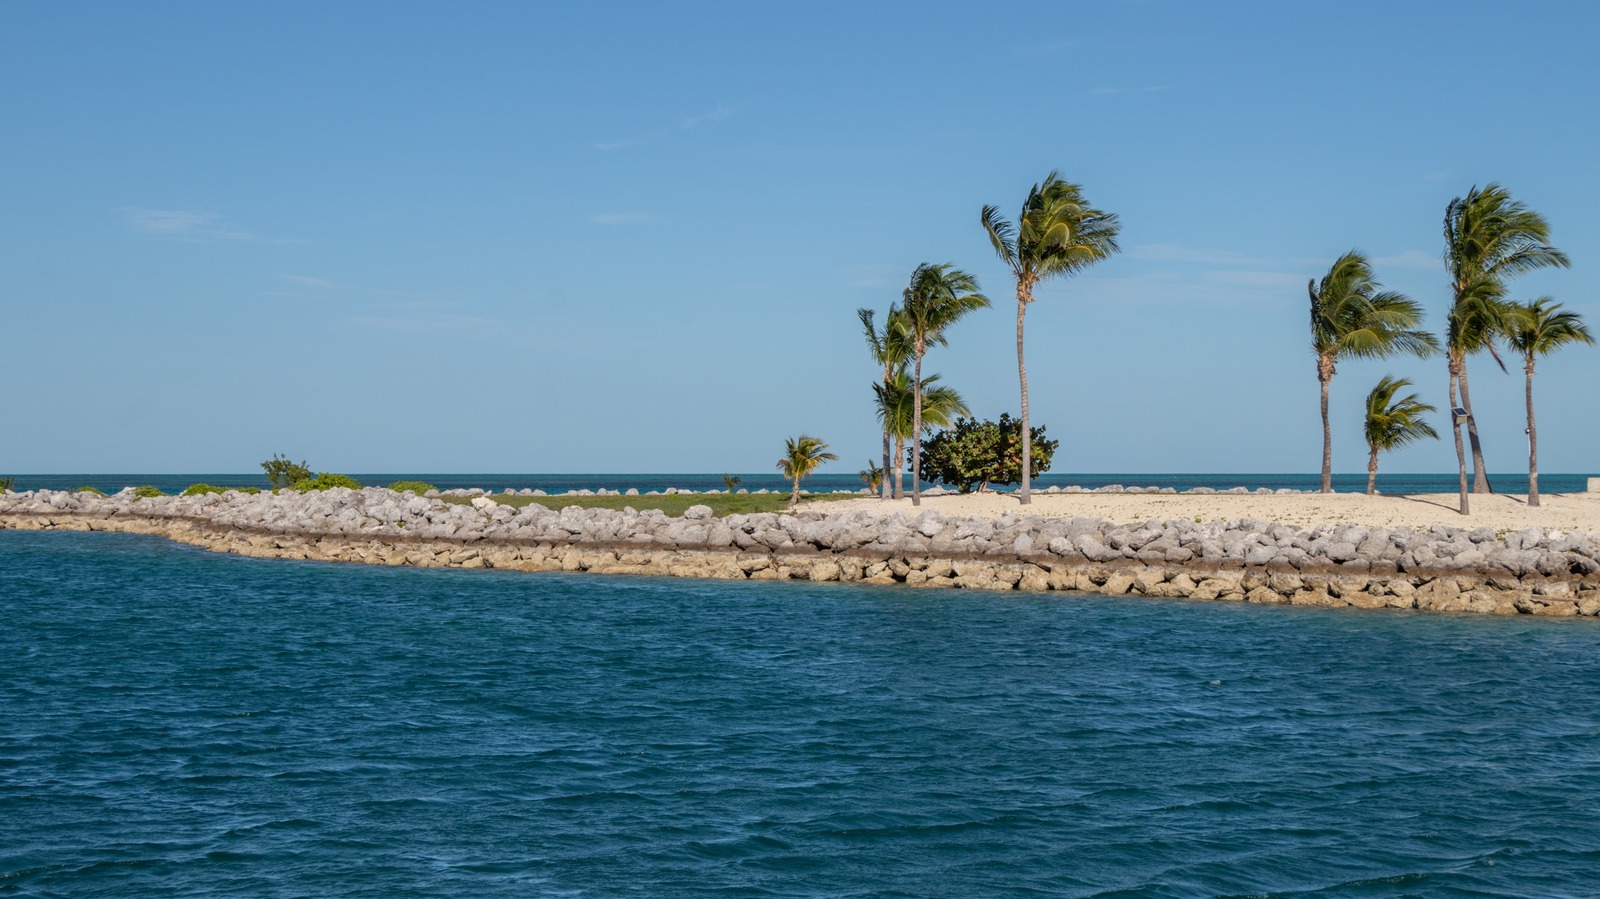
column 1538, row 329
column 418, row 487
column 324, row 481
column 205, row 489
column 86, row 489
column 937, row 297
column 890, row 348
column 1351, row 317
column 872, row 476
column 975, row 454
column 731, row 482
column 1489, row 237
column 147, row 492
column 282, row 473
column 1393, row 423
column 801, row 456
column 895, row 402
column 721, row 503
column 6, row 483
column 1057, row 234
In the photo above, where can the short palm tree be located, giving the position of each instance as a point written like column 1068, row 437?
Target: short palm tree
column 801, row 456
column 1538, row 329
column 937, row 297
column 896, row 402
column 1488, row 237
column 1351, row 317
column 872, row 476
column 890, row 348
column 1057, row 234
column 1393, row 423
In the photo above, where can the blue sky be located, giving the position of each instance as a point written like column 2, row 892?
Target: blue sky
column 632, row 237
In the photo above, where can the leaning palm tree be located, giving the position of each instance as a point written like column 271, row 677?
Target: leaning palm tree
column 896, row 402
column 872, row 476
column 1351, row 317
column 937, row 297
column 801, row 456
column 1057, row 233
column 1393, row 423
column 1537, row 329
column 1488, row 237
column 890, row 348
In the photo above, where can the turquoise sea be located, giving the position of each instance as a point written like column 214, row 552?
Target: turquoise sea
column 178, row 723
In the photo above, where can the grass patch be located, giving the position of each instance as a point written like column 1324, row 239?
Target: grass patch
column 674, row 505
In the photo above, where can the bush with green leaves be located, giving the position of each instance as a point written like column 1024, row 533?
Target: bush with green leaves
column 200, row 490
column 6, row 483
column 147, row 492
column 95, row 490
column 420, row 488
column 974, row 454
column 325, row 481
column 283, row 473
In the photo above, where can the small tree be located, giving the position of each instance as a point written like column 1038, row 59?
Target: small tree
column 974, row 454
column 801, row 456
column 283, row 473
column 731, row 482
column 872, row 476
column 1393, row 423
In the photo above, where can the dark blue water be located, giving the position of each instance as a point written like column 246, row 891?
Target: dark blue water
column 176, row 723
column 552, row 483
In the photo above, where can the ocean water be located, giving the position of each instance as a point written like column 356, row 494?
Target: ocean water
column 178, row 723
column 825, row 481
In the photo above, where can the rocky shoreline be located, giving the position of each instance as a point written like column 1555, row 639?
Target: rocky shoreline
column 1439, row 568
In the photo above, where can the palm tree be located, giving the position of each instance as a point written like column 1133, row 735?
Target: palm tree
column 1057, row 233
column 890, row 348
column 1537, row 329
column 1393, row 423
column 937, row 297
column 801, row 456
column 872, row 476
column 1351, row 317
column 1488, row 237
column 896, row 403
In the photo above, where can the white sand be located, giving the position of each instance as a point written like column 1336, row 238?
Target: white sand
column 1564, row 512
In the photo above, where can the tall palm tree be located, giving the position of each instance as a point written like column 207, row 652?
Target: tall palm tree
column 1057, row 234
column 1488, row 237
column 890, row 348
column 801, row 456
column 1393, row 423
column 1351, row 317
column 1537, row 329
column 937, row 297
column 896, row 402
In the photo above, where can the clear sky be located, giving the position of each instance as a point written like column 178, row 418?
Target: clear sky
column 531, row 237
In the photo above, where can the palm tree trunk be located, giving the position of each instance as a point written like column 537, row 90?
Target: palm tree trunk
column 1024, row 295
column 1480, row 475
column 1455, row 430
column 916, row 432
column 794, row 498
column 1372, row 473
column 1533, row 443
column 899, row 467
column 887, row 487
column 1324, row 375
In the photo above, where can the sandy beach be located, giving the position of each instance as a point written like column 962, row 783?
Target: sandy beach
column 1565, row 512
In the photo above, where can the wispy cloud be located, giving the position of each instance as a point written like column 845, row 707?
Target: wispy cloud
column 620, row 218
column 1168, row 252
column 720, row 113
column 308, row 281
column 715, row 115
column 1408, row 259
column 1106, row 91
column 182, row 224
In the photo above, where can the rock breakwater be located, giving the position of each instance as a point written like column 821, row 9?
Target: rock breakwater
column 1531, row 571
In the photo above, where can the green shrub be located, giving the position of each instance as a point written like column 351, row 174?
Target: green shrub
column 200, row 490
column 6, row 483
column 283, row 473
column 975, row 454
column 418, row 487
column 325, row 481
column 147, row 492
column 95, row 490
